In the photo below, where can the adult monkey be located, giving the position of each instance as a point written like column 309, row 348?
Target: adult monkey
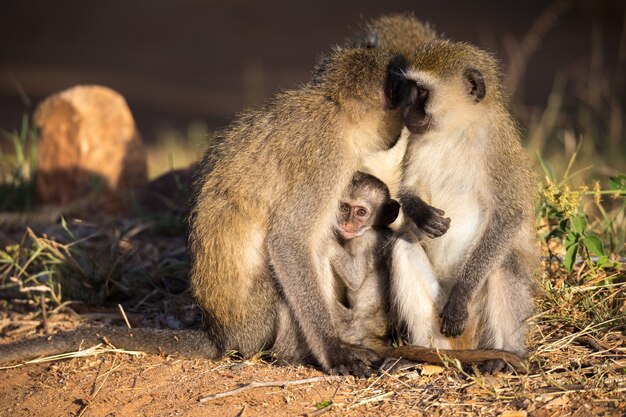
column 492, row 279
column 465, row 152
column 265, row 196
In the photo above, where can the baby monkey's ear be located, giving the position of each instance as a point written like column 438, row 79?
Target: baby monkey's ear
column 388, row 213
column 475, row 83
column 397, row 87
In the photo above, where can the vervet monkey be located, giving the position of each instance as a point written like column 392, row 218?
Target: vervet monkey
column 361, row 259
column 465, row 153
column 265, row 196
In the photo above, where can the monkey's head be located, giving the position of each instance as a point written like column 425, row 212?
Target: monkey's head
column 365, row 203
column 370, row 89
column 398, row 32
column 456, row 86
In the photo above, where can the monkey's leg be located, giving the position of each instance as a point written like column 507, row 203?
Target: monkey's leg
column 414, row 292
column 507, row 304
column 308, row 290
column 289, row 346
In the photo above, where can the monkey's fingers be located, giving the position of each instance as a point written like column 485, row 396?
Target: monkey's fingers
column 452, row 328
column 433, row 232
column 436, row 227
column 438, row 211
column 339, row 370
column 452, row 325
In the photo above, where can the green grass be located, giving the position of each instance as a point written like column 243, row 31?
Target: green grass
column 18, row 168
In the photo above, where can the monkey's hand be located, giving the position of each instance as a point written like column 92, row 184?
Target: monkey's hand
column 454, row 317
column 353, row 360
column 434, row 222
column 430, row 220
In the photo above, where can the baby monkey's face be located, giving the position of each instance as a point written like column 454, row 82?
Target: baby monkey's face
column 353, row 219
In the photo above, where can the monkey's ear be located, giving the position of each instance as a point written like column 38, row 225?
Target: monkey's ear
column 397, row 87
column 476, row 83
column 388, row 212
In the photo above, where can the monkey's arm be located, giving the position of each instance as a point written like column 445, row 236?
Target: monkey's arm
column 301, row 276
column 427, row 218
column 351, row 270
column 501, row 226
column 439, row 356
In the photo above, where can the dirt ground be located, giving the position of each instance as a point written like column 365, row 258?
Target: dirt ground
column 122, row 384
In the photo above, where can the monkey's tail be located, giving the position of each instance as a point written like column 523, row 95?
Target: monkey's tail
column 439, row 356
column 188, row 343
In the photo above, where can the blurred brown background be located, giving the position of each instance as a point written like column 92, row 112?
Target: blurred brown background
column 178, row 62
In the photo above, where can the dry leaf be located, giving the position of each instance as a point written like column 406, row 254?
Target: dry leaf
column 514, row 413
column 428, row 370
column 558, row 402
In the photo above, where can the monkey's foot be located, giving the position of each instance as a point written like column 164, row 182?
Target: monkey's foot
column 493, row 366
column 354, row 360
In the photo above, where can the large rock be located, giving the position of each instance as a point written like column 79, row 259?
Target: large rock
column 88, row 141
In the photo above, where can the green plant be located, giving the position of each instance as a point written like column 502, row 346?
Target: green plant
column 562, row 213
column 17, row 170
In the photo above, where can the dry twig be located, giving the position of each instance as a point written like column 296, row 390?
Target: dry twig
column 257, row 384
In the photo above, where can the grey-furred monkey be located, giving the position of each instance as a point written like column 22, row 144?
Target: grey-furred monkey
column 361, row 260
column 266, row 195
column 465, row 153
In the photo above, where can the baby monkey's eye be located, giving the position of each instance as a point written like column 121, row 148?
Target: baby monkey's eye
column 361, row 212
column 344, row 208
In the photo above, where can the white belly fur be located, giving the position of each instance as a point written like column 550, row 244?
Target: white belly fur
column 439, row 170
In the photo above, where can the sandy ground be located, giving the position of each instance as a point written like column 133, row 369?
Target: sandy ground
column 118, row 384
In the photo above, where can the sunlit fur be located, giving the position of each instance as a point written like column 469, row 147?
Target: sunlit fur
column 472, row 166
column 400, row 33
column 265, row 196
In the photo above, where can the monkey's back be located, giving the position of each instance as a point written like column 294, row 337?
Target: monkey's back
column 263, row 159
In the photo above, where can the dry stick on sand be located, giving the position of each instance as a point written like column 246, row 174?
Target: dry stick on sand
column 269, row 384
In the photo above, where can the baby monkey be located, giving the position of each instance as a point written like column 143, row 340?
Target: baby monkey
column 361, row 260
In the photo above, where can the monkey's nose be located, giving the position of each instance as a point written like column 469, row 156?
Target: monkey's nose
column 416, row 119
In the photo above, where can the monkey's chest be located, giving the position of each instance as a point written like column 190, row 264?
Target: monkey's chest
column 467, row 216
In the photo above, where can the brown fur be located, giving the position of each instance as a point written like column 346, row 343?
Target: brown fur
column 399, row 33
column 265, row 196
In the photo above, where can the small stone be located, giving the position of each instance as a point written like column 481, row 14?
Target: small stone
column 88, row 141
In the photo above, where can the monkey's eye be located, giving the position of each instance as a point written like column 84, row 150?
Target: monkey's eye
column 343, row 208
column 422, row 92
column 361, row 212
